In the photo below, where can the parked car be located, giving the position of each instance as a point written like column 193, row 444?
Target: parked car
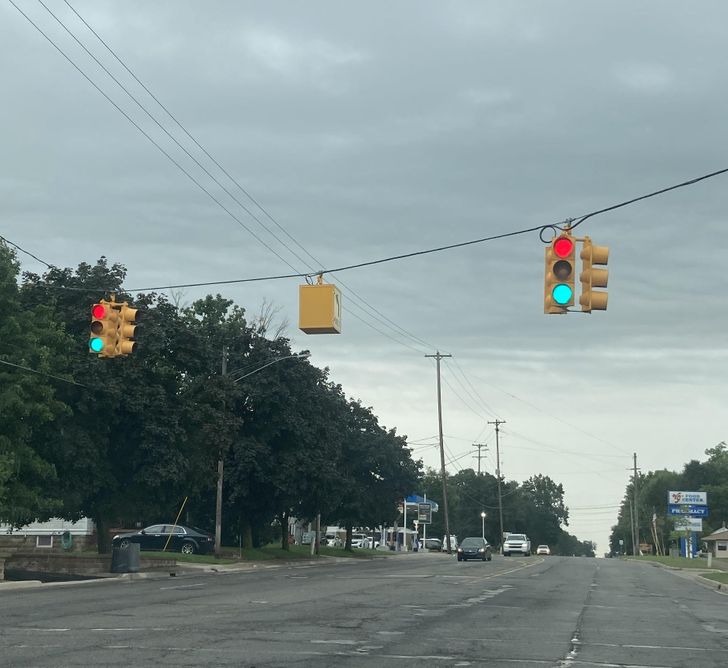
column 177, row 538
column 517, row 542
column 543, row 549
column 474, row 548
column 359, row 540
column 453, row 543
column 433, row 544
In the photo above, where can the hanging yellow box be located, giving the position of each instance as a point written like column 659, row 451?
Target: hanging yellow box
column 319, row 309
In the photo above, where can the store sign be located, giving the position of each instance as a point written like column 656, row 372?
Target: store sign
column 688, row 509
column 688, row 524
column 694, row 498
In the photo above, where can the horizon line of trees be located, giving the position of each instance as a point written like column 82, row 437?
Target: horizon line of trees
column 125, row 440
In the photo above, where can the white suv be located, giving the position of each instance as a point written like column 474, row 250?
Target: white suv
column 517, row 542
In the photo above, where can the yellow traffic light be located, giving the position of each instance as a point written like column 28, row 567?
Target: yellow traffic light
column 559, row 274
column 593, row 277
column 319, row 308
column 104, row 329
column 127, row 326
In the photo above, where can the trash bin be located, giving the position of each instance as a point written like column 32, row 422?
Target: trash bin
column 125, row 559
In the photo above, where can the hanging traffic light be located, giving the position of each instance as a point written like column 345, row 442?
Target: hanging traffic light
column 319, row 308
column 127, row 325
column 559, row 274
column 592, row 277
column 104, row 329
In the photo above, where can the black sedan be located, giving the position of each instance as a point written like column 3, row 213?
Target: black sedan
column 176, row 538
column 474, row 548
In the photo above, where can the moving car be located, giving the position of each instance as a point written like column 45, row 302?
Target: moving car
column 177, row 538
column 474, row 548
column 543, row 549
column 517, row 542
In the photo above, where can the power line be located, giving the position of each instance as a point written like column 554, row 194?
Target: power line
column 382, row 318
column 42, row 373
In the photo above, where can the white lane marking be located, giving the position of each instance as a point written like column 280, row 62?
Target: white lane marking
column 672, row 647
column 390, row 633
column 40, row 630
column 335, row 642
column 260, row 602
column 128, row 628
column 189, row 586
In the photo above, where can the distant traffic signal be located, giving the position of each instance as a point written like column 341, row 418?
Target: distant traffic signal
column 559, row 274
column 127, row 325
column 104, row 329
column 592, row 277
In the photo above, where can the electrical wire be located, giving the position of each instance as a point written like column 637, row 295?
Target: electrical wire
column 42, row 373
column 382, row 318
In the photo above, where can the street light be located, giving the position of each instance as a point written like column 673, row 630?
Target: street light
column 220, row 461
column 482, row 517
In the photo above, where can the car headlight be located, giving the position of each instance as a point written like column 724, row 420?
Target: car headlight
column 482, row 549
column 460, row 549
column 115, row 537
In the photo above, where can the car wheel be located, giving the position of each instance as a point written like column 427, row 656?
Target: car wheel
column 187, row 548
column 124, row 543
column 490, row 558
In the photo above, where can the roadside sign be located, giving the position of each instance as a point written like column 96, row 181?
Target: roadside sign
column 693, row 498
column 688, row 509
column 424, row 513
column 688, row 523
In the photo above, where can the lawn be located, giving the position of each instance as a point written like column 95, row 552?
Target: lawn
column 681, row 562
column 717, row 577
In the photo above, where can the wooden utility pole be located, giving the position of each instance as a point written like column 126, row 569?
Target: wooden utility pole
column 636, row 537
column 438, row 357
column 220, row 464
column 479, row 456
column 497, row 423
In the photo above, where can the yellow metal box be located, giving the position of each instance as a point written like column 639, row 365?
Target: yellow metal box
column 319, row 309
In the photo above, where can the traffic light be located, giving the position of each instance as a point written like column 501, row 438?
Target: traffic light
column 127, row 325
column 559, row 274
column 319, row 308
column 104, row 329
column 592, row 277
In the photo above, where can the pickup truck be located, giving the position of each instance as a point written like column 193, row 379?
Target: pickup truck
column 517, row 542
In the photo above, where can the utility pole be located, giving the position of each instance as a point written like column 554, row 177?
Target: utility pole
column 479, row 456
column 438, row 357
column 636, row 549
column 220, row 463
column 498, row 422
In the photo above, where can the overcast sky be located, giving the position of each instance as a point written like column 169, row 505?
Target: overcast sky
column 374, row 129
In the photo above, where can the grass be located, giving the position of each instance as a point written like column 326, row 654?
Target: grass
column 682, row 562
column 717, row 577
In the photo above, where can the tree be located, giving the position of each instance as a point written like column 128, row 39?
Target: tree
column 31, row 352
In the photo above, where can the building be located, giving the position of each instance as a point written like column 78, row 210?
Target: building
column 718, row 543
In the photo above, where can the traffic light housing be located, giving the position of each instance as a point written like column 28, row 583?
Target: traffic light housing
column 319, row 308
column 593, row 277
column 559, row 274
column 104, row 329
column 127, row 326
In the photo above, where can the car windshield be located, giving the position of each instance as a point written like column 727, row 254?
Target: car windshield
column 473, row 542
column 516, row 536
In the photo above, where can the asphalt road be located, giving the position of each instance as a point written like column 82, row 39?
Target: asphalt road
column 403, row 610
